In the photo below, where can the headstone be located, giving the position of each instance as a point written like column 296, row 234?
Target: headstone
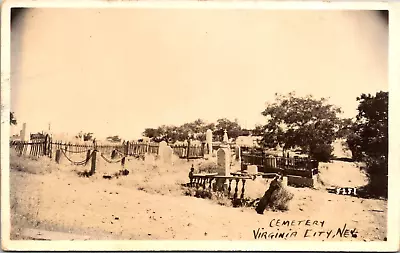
column 284, row 181
column 226, row 139
column 252, row 169
column 23, row 133
column 163, row 145
column 209, row 139
column 223, row 161
column 167, row 155
column 165, row 152
column 237, row 153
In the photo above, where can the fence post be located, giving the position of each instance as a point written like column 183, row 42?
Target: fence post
column 88, row 154
column 93, row 168
column 126, row 148
column 58, row 156
column 51, row 147
column 113, row 154
column 262, row 158
column 188, row 149
column 123, row 162
column 45, row 145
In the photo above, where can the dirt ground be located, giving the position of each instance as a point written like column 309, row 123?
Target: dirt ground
column 149, row 204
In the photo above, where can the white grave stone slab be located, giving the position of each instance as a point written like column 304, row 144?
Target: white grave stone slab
column 209, row 137
column 223, row 161
column 237, row 154
column 252, row 169
column 167, row 155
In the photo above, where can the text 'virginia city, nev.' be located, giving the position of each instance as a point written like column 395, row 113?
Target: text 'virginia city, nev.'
column 282, row 229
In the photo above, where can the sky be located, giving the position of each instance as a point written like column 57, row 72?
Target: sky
column 118, row 71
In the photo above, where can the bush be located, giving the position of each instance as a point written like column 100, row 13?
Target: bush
column 377, row 169
column 280, row 199
column 208, row 167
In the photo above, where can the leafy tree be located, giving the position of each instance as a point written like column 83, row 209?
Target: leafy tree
column 232, row 127
column 151, row 132
column 305, row 122
column 85, row 136
column 196, row 130
column 88, row 136
column 13, row 119
column 369, row 138
column 258, row 130
column 114, row 138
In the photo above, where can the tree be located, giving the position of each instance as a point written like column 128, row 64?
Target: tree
column 195, row 129
column 232, row 127
column 258, row 130
column 114, row 138
column 87, row 136
column 151, row 132
column 368, row 141
column 305, row 122
column 13, row 119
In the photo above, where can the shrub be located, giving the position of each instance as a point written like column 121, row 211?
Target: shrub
column 377, row 170
column 208, row 167
column 280, row 199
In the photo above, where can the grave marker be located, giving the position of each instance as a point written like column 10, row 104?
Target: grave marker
column 209, row 137
column 223, row 161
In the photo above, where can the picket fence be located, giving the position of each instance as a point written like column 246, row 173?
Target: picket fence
column 45, row 147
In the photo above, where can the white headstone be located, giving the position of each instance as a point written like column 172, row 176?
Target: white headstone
column 163, row 145
column 209, row 139
column 223, row 161
column 226, row 139
column 23, row 134
column 252, row 169
column 237, row 153
column 167, row 155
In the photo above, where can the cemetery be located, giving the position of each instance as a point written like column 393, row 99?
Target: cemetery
column 242, row 182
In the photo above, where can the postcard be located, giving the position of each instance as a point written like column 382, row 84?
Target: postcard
column 199, row 126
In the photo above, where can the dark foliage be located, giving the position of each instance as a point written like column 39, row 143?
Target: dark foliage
column 13, row 120
column 305, row 122
column 368, row 141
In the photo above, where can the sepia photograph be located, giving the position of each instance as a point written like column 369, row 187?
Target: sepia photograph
column 187, row 124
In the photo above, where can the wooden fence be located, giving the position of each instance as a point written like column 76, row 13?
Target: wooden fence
column 43, row 147
column 35, row 148
column 296, row 166
column 189, row 151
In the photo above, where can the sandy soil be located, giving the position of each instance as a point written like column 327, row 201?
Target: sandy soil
column 149, row 204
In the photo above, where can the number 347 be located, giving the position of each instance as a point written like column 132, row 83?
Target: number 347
column 346, row 191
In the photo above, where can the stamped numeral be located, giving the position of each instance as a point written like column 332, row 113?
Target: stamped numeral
column 346, row 191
